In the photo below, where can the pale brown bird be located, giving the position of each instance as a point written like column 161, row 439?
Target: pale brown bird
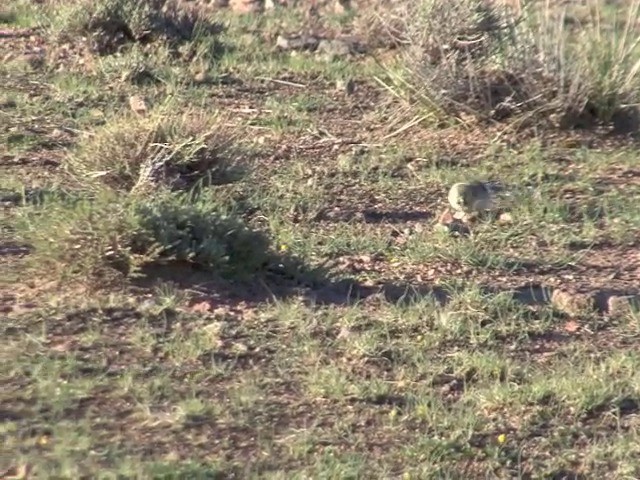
column 471, row 197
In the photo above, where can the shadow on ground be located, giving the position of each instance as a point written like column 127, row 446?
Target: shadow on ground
column 396, row 216
column 291, row 279
column 281, row 281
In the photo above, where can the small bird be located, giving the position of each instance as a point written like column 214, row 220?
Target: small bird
column 471, row 197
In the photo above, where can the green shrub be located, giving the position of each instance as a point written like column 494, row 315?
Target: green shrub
column 100, row 236
column 110, row 24
column 200, row 232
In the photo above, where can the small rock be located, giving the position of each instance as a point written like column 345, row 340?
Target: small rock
column 138, row 105
column 446, row 217
column 347, row 86
column 147, row 305
column 344, row 161
column 505, row 218
column 201, row 77
column 345, row 333
column 245, row 6
column 271, row 4
column 572, row 303
column 58, row 134
column 571, row 326
column 240, row 348
column 450, row 224
column 96, row 116
column 623, row 305
column 215, row 329
column 283, row 42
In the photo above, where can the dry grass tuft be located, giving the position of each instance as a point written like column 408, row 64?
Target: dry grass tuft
column 470, row 57
column 111, row 24
column 136, row 153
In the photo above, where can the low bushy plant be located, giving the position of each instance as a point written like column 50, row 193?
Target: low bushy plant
column 472, row 57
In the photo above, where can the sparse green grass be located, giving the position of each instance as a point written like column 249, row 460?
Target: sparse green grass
column 444, row 391
column 247, row 281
